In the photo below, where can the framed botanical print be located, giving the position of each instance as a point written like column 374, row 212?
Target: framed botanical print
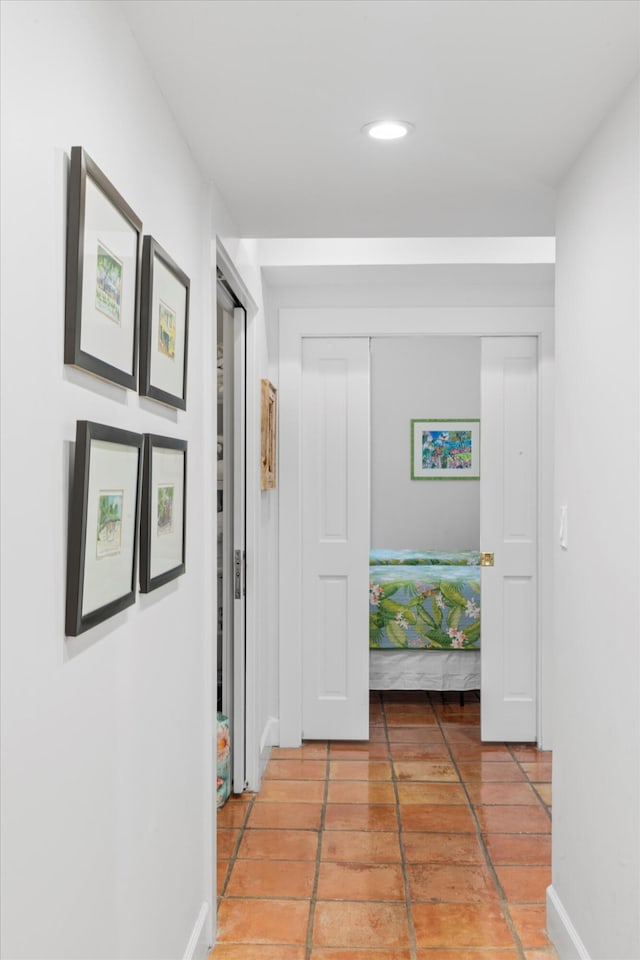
column 164, row 330
column 445, row 449
column 104, row 242
column 103, row 525
column 163, row 520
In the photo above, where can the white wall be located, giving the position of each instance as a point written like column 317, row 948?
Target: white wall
column 596, row 781
column 106, row 750
column 421, row 377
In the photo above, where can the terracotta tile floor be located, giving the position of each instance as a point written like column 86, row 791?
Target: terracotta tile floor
column 420, row 844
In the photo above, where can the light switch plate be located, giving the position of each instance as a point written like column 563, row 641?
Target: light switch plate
column 564, row 527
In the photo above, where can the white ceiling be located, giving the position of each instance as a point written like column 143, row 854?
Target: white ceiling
column 271, row 95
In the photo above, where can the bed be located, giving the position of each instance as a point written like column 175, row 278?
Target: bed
column 424, row 620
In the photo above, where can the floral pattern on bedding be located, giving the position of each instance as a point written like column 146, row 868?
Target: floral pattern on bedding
column 430, row 607
column 449, row 558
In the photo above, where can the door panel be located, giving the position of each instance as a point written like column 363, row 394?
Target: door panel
column 226, row 496
column 231, row 530
column 335, row 538
column 508, row 529
column 239, row 485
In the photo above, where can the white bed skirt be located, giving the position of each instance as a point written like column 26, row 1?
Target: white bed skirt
column 424, row 670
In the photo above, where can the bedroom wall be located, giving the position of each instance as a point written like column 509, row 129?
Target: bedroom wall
column 430, row 377
column 593, row 903
column 107, row 755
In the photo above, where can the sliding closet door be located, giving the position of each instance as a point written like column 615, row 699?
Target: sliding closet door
column 231, row 531
column 239, row 551
column 335, row 538
column 508, row 534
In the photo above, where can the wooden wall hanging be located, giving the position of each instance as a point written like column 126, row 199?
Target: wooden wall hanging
column 268, row 420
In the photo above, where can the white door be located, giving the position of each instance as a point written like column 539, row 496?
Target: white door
column 239, row 555
column 508, row 530
column 335, row 538
column 225, row 510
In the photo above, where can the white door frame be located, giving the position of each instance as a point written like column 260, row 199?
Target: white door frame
column 226, row 305
column 252, row 745
column 295, row 324
column 252, row 504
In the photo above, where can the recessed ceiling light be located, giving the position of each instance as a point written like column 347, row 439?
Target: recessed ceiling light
column 387, row 129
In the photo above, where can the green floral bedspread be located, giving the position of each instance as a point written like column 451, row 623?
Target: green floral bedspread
column 427, row 606
column 456, row 558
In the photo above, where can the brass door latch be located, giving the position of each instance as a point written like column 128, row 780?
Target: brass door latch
column 486, row 559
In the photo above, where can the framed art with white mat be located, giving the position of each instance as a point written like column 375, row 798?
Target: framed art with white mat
column 104, row 242
column 164, row 327
column 162, row 524
column 103, row 525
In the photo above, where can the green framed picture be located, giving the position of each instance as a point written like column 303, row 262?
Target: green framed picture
column 445, row 449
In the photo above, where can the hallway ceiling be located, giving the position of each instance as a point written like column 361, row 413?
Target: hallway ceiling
column 271, row 94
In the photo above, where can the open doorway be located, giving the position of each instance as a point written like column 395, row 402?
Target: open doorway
column 445, row 615
column 496, row 328
column 425, row 523
column 425, row 595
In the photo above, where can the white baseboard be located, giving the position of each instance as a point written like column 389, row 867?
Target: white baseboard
column 562, row 932
column 270, row 736
column 198, row 946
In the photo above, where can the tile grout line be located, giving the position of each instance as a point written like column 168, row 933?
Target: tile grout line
column 316, row 880
column 490, row 867
column 403, row 859
column 236, row 847
column 546, row 806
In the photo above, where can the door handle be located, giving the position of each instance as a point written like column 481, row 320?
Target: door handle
column 237, row 574
column 486, row 559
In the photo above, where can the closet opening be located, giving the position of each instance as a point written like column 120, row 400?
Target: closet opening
column 230, row 534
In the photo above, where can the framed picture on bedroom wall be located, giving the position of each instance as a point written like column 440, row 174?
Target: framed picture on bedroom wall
column 163, row 517
column 102, row 300
column 445, row 449
column 164, row 327
column 102, row 546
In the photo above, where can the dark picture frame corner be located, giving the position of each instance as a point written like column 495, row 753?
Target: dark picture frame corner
column 164, row 327
column 164, row 511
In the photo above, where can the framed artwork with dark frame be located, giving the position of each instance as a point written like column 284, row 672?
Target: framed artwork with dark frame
column 103, row 525
column 268, row 424
column 164, row 511
column 445, row 449
column 164, row 327
column 102, row 301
